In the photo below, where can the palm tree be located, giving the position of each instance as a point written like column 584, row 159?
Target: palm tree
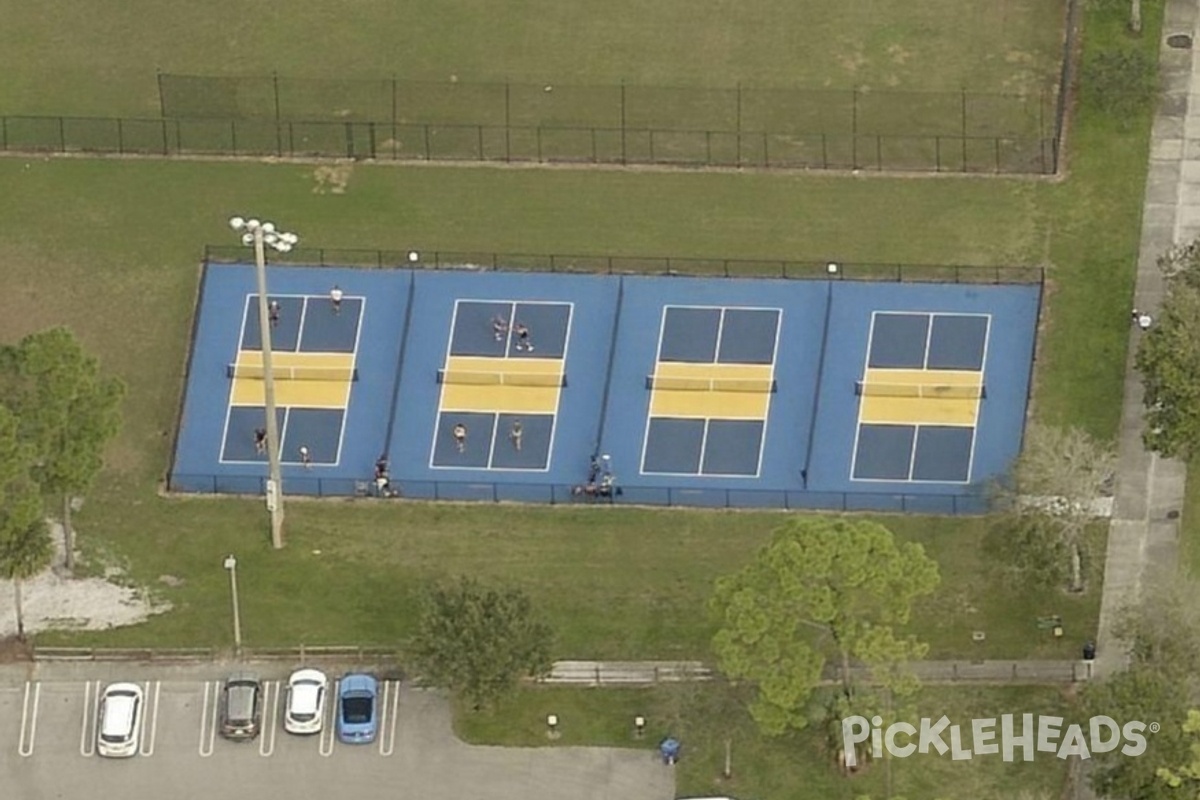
column 23, row 555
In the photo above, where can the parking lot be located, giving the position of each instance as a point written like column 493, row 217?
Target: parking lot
column 47, row 750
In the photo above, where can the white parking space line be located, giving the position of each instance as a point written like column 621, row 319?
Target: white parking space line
column 329, row 729
column 208, row 718
column 91, row 708
column 29, row 712
column 387, row 718
column 270, row 721
column 150, row 720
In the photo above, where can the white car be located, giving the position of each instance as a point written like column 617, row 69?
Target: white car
column 305, row 709
column 119, row 727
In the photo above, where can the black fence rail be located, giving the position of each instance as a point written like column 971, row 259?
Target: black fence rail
column 392, row 119
column 563, row 494
column 637, row 265
column 542, row 144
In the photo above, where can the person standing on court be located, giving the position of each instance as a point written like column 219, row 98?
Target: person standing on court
column 273, row 312
column 460, row 437
column 260, row 440
column 335, row 298
column 499, row 327
column 305, row 456
column 522, row 332
column 515, row 433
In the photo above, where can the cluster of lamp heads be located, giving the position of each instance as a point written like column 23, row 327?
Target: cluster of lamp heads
column 273, row 238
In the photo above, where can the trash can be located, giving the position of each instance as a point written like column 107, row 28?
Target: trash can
column 1089, row 651
column 669, row 748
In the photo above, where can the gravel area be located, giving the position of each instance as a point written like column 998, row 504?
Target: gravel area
column 54, row 601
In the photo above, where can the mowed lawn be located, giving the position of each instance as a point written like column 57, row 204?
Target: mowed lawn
column 111, row 248
column 616, row 583
column 796, row 766
column 56, row 60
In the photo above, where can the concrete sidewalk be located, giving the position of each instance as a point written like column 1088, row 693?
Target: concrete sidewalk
column 1144, row 535
column 644, row 673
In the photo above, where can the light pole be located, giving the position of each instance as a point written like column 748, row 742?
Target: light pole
column 231, row 565
column 263, row 235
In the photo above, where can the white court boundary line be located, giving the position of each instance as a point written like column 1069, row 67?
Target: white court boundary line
column 917, row 426
column 762, row 440
column 441, row 411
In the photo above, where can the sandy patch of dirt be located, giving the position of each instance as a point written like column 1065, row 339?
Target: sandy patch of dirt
column 53, row 601
column 332, row 179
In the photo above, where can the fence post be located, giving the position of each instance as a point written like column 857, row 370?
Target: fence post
column 651, row 132
column 120, row 137
column 428, row 156
column 964, row 128
column 824, row 151
column 937, row 153
column 508, row 124
column 291, row 139
column 480, row 132
column 739, row 123
column 623, row 150
column 233, row 135
column 854, row 128
column 879, row 152
column 539, row 144
column 708, row 148
column 275, row 84
column 62, row 135
column 594, row 158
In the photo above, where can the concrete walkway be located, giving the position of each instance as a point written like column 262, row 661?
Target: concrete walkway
column 1144, row 535
column 644, row 673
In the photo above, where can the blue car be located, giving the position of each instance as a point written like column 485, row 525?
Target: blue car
column 357, row 709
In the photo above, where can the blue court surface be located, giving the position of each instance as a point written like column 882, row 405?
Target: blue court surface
column 534, row 387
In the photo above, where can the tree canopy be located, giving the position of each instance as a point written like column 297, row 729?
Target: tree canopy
column 821, row 589
column 479, row 641
column 1051, row 499
column 66, row 409
column 24, row 547
column 1163, row 635
column 1168, row 358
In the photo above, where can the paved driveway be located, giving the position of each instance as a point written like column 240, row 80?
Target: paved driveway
column 47, row 752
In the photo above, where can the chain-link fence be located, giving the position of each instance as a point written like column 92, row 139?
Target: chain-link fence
column 387, row 142
column 637, row 265
column 405, row 120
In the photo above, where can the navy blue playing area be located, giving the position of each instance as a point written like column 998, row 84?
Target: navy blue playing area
column 732, row 447
column 474, row 333
column 748, row 336
column 810, row 452
column 957, row 341
column 710, row 335
column 674, row 446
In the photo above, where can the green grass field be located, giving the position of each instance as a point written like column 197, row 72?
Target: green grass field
column 52, row 61
column 790, row 767
column 111, row 248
